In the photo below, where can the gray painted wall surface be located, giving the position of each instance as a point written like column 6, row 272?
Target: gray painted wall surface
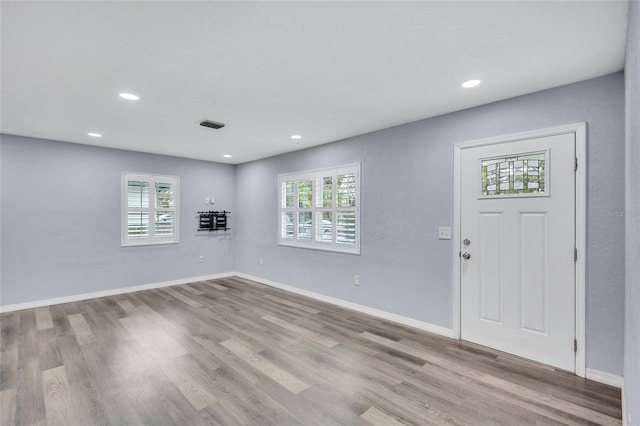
column 632, row 216
column 407, row 184
column 61, row 220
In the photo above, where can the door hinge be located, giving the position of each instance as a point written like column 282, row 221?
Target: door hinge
column 575, row 254
column 575, row 168
column 575, row 345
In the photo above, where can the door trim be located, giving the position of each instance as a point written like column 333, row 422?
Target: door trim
column 580, row 131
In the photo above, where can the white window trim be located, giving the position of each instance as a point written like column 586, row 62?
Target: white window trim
column 152, row 239
column 314, row 244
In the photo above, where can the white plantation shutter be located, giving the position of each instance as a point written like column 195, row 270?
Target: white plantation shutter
column 320, row 209
column 137, row 209
column 150, row 209
column 346, row 227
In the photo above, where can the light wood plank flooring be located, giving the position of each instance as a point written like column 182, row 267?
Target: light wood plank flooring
column 234, row 352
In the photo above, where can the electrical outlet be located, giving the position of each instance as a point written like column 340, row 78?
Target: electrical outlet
column 261, row 260
column 356, row 280
column 201, row 259
column 444, row 233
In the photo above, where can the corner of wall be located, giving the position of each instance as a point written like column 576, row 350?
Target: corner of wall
column 631, row 389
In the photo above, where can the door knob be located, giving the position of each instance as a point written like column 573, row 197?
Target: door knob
column 466, row 255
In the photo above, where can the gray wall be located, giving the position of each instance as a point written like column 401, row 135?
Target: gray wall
column 61, row 220
column 632, row 210
column 407, row 184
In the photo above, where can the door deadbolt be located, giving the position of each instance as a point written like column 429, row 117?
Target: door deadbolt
column 466, row 256
column 466, row 242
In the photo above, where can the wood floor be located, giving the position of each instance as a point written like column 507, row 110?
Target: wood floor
column 234, row 352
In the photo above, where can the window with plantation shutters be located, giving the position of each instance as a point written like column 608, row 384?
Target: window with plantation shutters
column 149, row 209
column 320, row 209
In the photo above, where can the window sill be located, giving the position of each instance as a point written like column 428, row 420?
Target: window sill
column 353, row 251
column 146, row 243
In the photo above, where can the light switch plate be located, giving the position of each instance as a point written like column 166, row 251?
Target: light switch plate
column 444, row 233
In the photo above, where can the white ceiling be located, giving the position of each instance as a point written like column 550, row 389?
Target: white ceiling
column 325, row 70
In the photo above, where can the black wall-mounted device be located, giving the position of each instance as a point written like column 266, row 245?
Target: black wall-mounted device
column 213, row 221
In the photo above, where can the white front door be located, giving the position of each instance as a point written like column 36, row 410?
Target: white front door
column 517, row 231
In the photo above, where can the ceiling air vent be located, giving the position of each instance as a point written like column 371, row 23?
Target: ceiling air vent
column 212, row 124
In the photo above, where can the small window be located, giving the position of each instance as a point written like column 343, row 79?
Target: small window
column 320, row 209
column 518, row 175
column 150, row 209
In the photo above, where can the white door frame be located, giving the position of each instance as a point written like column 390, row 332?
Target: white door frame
column 580, row 131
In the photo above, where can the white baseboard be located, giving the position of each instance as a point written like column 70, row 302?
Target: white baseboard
column 432, row 328
column 604, row 377
column 97, row 294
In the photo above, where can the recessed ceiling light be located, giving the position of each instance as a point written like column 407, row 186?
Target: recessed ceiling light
column 129, row 96
column 296, row 137
column 94, row 135
column 470, row 83
column 227, row 156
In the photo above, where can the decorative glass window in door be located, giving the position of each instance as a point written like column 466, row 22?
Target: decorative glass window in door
column 514, row 175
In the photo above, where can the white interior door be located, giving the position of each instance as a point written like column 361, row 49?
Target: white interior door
column 517, row 275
